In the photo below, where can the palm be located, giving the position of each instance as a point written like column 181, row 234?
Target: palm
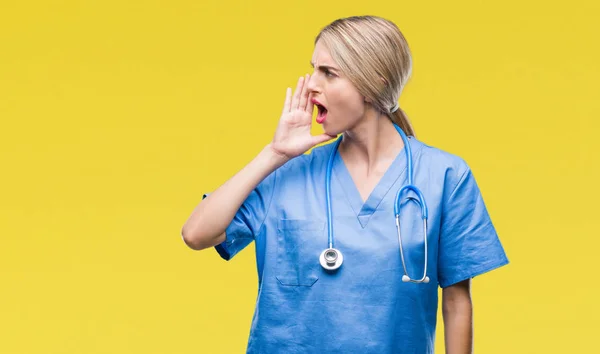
column 293, row 137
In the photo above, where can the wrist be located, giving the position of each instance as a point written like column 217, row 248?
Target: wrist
column 275, row 157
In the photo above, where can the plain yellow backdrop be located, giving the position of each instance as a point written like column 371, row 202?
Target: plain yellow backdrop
column 117, row 115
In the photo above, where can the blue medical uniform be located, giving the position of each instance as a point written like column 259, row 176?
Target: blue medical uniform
column 363, row 307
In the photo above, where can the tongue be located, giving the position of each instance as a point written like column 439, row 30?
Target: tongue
column 321, row 116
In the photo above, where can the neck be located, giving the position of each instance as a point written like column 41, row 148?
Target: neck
column 371, row 143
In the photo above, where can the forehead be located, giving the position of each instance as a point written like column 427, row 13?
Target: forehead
column 321, row 55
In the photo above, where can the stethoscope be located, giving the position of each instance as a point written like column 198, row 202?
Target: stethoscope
column 332, row 258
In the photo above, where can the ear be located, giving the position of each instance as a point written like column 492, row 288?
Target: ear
column 368, row 100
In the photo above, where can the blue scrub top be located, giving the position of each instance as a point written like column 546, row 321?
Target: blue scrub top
column 363, row 307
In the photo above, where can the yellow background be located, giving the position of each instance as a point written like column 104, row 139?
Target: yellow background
column 117, row 115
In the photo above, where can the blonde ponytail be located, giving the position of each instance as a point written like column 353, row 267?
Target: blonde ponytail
column 401, row 119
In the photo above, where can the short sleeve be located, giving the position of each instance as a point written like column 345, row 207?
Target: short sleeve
column 248, row 220
column 469, row 244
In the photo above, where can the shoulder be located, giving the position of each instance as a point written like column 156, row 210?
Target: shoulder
column 439, row 161
column 311, row 162
column 301, row 174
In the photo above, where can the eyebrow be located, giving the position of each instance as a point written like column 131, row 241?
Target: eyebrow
column 324, row 67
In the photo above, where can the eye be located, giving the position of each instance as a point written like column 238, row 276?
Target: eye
column 328, row 73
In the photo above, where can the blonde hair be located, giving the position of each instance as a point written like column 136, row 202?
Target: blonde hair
column 374, row 55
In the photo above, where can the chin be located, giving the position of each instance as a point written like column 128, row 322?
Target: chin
column 330, row 129
column 336, row 128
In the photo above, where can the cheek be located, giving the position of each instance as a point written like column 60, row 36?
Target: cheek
column 347, row 99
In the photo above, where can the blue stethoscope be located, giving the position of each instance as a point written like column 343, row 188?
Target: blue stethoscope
column 331, row 258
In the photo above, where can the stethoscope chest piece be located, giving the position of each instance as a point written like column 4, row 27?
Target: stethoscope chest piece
column 407, row 279
column 331, row 259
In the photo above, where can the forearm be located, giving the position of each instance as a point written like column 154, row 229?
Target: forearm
column 457, row 311
column 207, row 223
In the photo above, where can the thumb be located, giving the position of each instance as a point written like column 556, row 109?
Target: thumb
column 318, row 139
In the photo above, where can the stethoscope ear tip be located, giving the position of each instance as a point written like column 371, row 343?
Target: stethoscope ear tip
column 405, row 278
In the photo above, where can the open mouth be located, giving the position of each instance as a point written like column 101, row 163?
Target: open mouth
column 322, row 113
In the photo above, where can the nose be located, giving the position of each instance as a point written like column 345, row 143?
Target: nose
column 313, row 85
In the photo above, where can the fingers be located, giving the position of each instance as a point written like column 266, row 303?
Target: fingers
column 322, row 138
column 288, row 100
column 299, row 100
column 310, row 109
column 296, row 97
column 304, row 94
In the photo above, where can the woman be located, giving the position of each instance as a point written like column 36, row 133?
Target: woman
column 378, row 300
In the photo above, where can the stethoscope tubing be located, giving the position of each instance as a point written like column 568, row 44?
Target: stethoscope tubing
column 408, row 187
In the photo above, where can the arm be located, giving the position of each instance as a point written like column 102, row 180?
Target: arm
column 209, row 220
column 457, row 311
column 206, row 226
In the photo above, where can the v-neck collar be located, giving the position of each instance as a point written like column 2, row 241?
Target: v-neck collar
column 396, row 170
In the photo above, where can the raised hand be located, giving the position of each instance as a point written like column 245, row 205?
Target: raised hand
column 292, row 137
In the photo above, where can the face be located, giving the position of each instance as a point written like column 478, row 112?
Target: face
column 340, row 105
